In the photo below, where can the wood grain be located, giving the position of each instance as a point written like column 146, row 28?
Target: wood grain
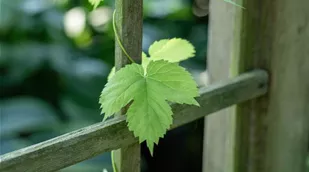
column 93, row 140
column 129, row 22
column 272, row 133
column 219, row 132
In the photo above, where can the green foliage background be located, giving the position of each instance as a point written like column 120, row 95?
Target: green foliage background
column 50, row 83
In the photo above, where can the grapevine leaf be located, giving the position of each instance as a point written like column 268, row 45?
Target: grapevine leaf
column 144, row 55
column 95, row 3
column 172, row 50
column 111, row 73
column 150, row 115
column 145, row 61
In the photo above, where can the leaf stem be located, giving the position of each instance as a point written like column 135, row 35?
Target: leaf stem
column 118, row 40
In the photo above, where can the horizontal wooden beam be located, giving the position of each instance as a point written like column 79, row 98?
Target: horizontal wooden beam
column 85, row 143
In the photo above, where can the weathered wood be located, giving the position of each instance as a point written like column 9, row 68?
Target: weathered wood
column 272, row 131
column 218, row 96
column 129, row 22
column 219, row 132
column 91, row 141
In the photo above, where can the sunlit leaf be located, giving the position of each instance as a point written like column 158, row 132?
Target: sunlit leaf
column 172, row 50
column 95, row 3
column 150, row 115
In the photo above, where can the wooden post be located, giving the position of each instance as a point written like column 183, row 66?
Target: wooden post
column 219, row 130
column 275, row 37
column 129, row 23
column 271, row 131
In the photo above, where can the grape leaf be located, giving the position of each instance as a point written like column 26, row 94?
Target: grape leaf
column 111, row 73
column 172, row 50
column 150, row 115
column 166, row 49
column 145, row 61
column 95, row 3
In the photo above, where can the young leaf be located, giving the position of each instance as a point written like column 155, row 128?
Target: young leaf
column 95, row 3
column 150, row 115
column 172, row 50
column 145, row 61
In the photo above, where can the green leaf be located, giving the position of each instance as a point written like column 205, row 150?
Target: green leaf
column 111, row 73
column 145, row 61
column 172, row 50
column 150, row 115
column 95, row 3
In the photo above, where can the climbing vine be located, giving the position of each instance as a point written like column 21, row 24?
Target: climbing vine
column 149, row 87
column 146, row 89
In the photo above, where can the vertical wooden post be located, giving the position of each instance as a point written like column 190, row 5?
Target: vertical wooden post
column 129, row 23
column 271, row 131
column 275, row 37
column 219, row 140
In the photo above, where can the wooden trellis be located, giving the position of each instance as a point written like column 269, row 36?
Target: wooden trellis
column 259, row 39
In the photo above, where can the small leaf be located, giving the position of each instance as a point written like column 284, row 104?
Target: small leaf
column 150, row 115
column 95, row 3
column 172, row 50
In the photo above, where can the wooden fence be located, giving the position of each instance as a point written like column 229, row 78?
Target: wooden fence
column 248, row 89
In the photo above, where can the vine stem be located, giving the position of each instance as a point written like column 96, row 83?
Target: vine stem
column 113, row 162
column 118, row 39
column 234, row 3
column 129, row 57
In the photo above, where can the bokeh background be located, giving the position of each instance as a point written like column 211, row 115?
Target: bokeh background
column 54, row 60
column 55, row 56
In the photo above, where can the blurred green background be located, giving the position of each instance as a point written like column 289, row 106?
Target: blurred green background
column 55, row 57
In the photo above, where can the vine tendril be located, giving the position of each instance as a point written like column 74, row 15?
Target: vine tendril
column 118, row 39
